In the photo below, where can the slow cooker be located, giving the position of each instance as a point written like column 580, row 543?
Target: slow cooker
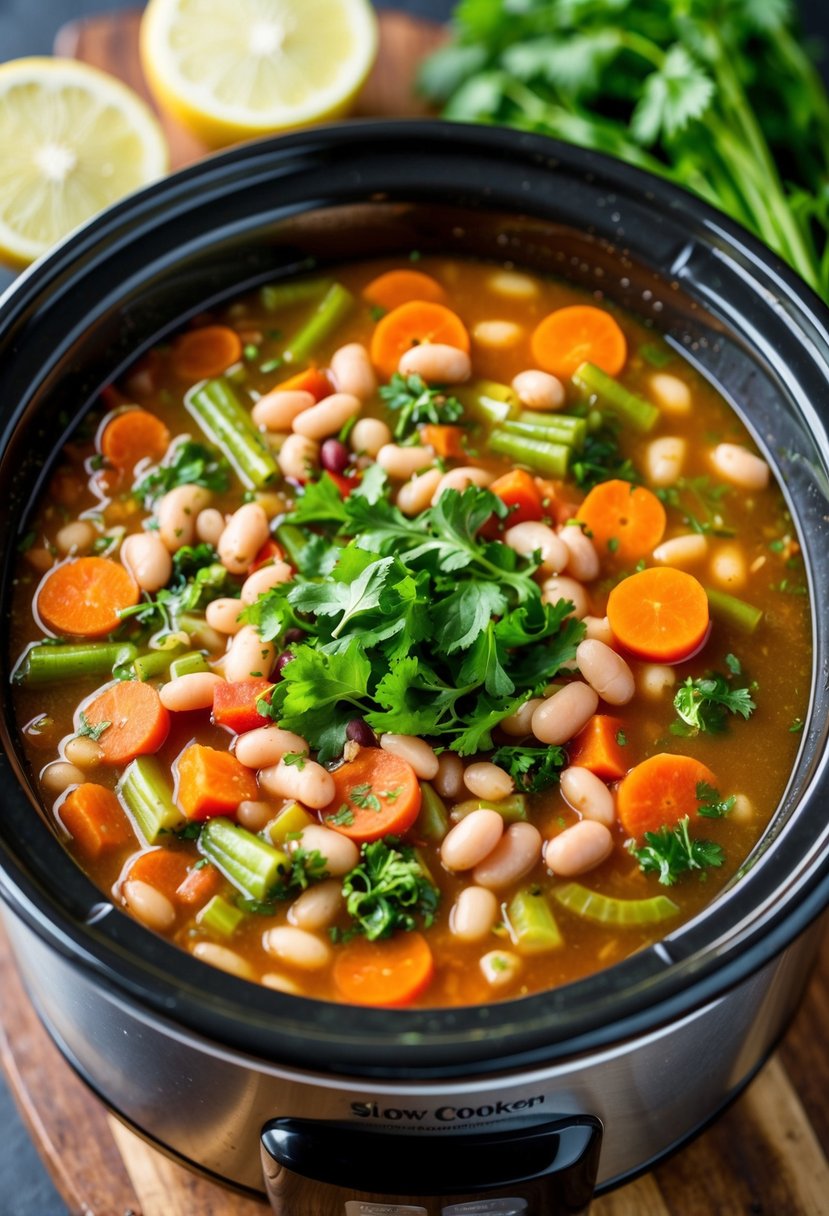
column 521, row 1107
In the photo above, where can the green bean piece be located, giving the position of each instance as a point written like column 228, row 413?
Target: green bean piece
column 252, row 865
column 147, row 795
column 432, row 821
column 565, row 429
column 290, row 821
column 511, row 810
column 188, row 664
column 44, row 663
column 155, row 662
column 218, row 410
column 551, row 459
column 531, row 923
column 488, row 401
column 332, row 309
column 220, row 917
column 638, row 413
column 732, row 611
column 606, row 910
column 274, row 296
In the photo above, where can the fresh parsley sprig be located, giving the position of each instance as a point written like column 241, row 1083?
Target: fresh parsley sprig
column 416, row 403
column 189, row 463
column 672, row 852
column 532, row 768
column 704, row 703
column 388, row 890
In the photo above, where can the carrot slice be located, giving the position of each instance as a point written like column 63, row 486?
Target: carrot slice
column 597, row 747
column 397, row 287
column 211, row 782
column 234, row 704
column 659, row 792
column 626, row 521
column 446, row 440
column 134, row 721
column 199, row 885
column 410, row 325
column 387, row 973
column 206, row 352
column 83, row 597
column 660, row 614
column 568, row 337
column 132, row 435
column 518, row 490
column 162, row 868
column 95, row 819
column 378, row 794
column 312, row 381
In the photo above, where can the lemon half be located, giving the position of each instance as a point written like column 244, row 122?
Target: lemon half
column 235, row 69
column 72, row 141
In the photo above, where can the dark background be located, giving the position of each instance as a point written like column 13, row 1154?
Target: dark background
column 28, row 27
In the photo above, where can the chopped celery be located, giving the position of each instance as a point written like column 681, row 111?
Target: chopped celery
column 488, row 401
column 732, row 611
column 569, row 424
column 221, row 917
column 285, row 295
column 605, row 910
column 531, row 923
column 144, row 790
column 551, row 459
column 291, row 820
column 252, row 865
column 333, row 308
column 433, row 821
column 220, row 413
column 156, row 662
column 512, row 809
column 187, row 664
column 642, row 415
column 53, row 664
column 570, row 435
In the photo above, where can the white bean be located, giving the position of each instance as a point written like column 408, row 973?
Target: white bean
column 655, row 679
column 598, row 628
column 318, row 907
column 254, row 815
column 210, row 524
column 340, row 852
column 368, row 436
column 400, row 463
column 740, row 466
column 298, row 457
column 147, row 559
column 245, row 533
column 488, row 781
column 150, row 906
column 515, row 854
column 272, row 504
column 436, row 363
column 471, row 840
column 177, row 513
column 266, row 745
column 582, row 558
column 588, row 795
column 520, row 723
column 277, row 410
column 75, row 537
column 459, row 479
column 327, row 417
column 578, row 849
column 562, row 715
column 352, row 371
column 59, row 776
column 448, row 780
column 528, row 537
column 264, row 579
column 416, row 495
column 500, row 968
column 671, row 394
column 248, row 656
column 297, row 948
column 682, row 551
column 728, row 567
column 310, row 784
column 539, row 390
column 83, row 752
column 473, row 914
column 225, row 959
column 606, row 671
column 664, row 459
column 414, row 751
column 562, row 588
column 513, row 285
column 223, row 615
column 193, row 691
column 743, row 809
column 280, row 983
column 497, row 335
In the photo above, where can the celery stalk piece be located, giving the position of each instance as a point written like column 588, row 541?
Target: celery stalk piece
column 570, row 432
column 571, row 424
column 488, row 401
column 638, row 413
column 605, row 910
column 155, row 663
column 291, row 820
column 551, row 459
column 274, row 296
column 55, row 664
column 433, row 821
column 219, row 916
column 145, row 792
column 252, row 865
column 332, row 309
column 188, row 664
column 531, row 923
column 512, row 809
column 732, row 611
column 217, row 409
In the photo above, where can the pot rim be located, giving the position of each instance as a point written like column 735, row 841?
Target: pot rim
column 634, row 997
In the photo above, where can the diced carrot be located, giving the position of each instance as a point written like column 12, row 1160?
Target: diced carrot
column 269, row 553
column 131, row 436
column 597, row 747
column 660, row 791
column 660, row 614
column 377, row 794
column 83, row 597
column 235, row 704
column 388, row 973
column 518, row 491
column 211, row 782
column 410, row 325
column 95, row 819
column 627, row 522
column 446, row 440
column 132, row 720
column 397, row 287
column 581, row 333
column 162, row 868
column 312, row 381
column 199, row 885
column 205, row 352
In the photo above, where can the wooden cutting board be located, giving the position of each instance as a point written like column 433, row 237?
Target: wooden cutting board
column 764, row 1157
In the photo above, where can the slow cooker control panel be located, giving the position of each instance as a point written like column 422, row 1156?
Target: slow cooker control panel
column 342, row 1169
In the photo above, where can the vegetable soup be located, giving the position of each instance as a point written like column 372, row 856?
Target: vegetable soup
column 411, row 637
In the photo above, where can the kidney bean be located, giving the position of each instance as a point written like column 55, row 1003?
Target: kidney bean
column 414, row 751
column 193, row 691
column 297, row 948
column 606, row 671
column 276, row 411
column 740, row 466
column 298, row 457
column 334, row 456
column 539, row 390
column 562, row 715
column 515, row 854
column 561, row 588
column 588, row 795
column 417, row 494
column 224, row 959
column 519, row 724
column 488, row 781
column 248, row 656
column 266, row 745
column 312, row 784
column 448, row 780
column 436, row 363
column 471, row 840
column 223, row 615
column 352, row 371
column 327, row 417
column 500, row 968
column 473, row 915
column 368, row 436
column 530, row 536
column 578, row 849
column 245, row 533
column 400, row 463
column 360, row 732
column 148, row 905
column 682, row 551
column 318, row 907
column 582, row 558
column 177, row 513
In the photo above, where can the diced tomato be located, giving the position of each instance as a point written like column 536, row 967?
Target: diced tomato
column 235, row 704
column 518, row 491
column 345, row 484
column 269, row 553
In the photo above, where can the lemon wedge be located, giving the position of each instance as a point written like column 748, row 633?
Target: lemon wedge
column 231, row 70
column 72, row 141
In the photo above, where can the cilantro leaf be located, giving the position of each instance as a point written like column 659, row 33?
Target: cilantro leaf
column 189, row 463
column 344, row 600
column 704, row 703
column 464, row 614
column 416, row 403
column 673, row 852
column 319, row 693
column 388, row 891
column 671, row 97
column 711, row 803
column 531, row 768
